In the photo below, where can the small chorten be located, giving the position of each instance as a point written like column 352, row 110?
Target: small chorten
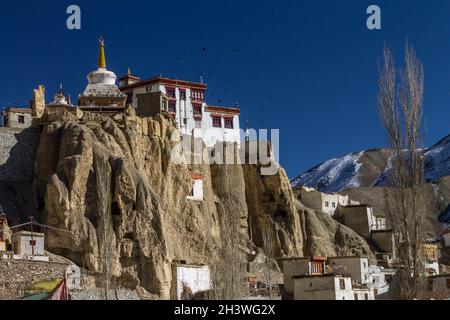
column 59, row 98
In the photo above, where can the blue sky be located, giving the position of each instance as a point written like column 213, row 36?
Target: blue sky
column 305, row 67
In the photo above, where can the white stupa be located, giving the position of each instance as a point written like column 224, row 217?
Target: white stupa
column 102, row 90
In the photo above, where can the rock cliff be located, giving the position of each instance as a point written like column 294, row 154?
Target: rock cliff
column 120, row 203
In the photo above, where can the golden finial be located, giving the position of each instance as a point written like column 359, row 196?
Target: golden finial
column 101, row 53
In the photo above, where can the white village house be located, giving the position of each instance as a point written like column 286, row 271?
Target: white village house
column 323, row 287
column 320, row 278
column 323, row 202
column 356, row 267
column 29, row 245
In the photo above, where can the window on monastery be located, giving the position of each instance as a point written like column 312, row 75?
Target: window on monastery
column 342, row 284
column 197, row 110
column 197, row 95
column 182, row 94
column 217, row 122
column 356, row 296
column 21, row 119
column 229, row 123
column 327, row 204
column 32, row 242
column 333, row 204
column 170, row 92
column 172, row 107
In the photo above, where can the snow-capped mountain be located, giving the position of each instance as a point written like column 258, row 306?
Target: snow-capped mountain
column 370, row 168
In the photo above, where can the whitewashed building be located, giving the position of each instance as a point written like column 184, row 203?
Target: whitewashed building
column 196, row 193
column 379, row 282
column 323, row 287
column 363, row 293
column 356, row 267
column 301, row 266
column 185, row 101
column 29, row 245
column 324, row 202
column 187, row 280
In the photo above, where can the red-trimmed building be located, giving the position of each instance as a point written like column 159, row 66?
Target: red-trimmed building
column 185, row 101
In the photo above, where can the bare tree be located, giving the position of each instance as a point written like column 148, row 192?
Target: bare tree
column 400, row 107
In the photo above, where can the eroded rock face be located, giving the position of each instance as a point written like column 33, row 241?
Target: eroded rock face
column 326, row 237
column 271, row 207
column 111, row 184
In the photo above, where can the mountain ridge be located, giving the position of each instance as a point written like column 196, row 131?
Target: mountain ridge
column 370, row 168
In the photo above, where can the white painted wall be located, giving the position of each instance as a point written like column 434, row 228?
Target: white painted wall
column 379, row 223
column 357, row 267
column 347, row 292
column 195, row 277
column 379, row 280
column 24, row 248
column 198, row 190
column 323, row 288
column 213, row 135
column 324, row 202
column 363, row 294
column 432, row 266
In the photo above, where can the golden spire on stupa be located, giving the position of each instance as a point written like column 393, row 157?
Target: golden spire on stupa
column 101, row 53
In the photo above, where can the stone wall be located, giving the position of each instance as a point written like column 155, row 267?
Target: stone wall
column 16, row 276
column 17, row 154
